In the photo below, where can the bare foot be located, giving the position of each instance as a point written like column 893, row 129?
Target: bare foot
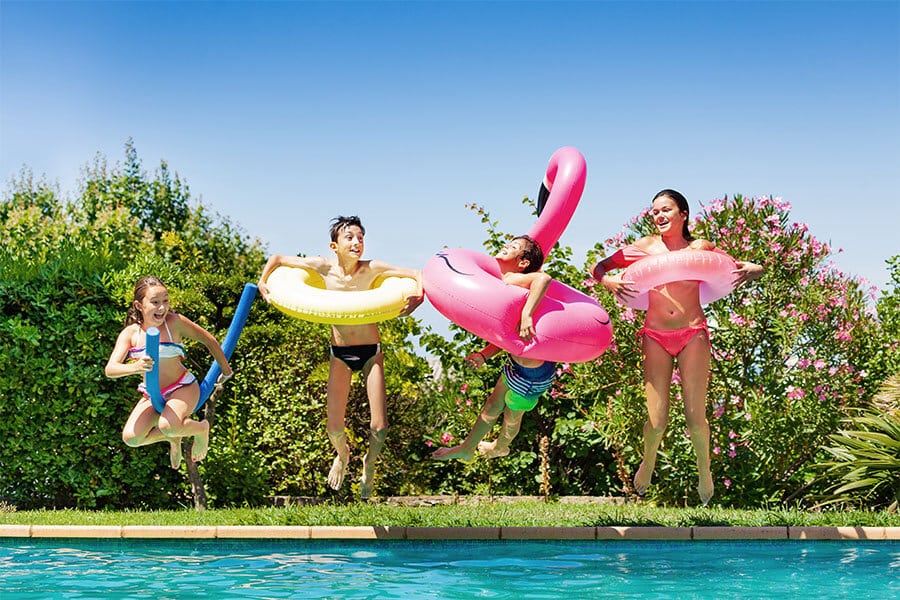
column 490, row 449
column 706, row 488
column 336, row 474
column 175, row 453
column 642, row 479
column 456, row 452
column 201, row 443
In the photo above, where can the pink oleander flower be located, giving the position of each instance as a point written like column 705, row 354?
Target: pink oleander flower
column 719, row 411
column 747, row 416
column 429, row 443
column 464, row 387
column 446, row 438
column 727, row 483
column 794, row 393
column 842, row 335
column 737, row 319
column 819, row 364
column 732, row 435
column 716, row 450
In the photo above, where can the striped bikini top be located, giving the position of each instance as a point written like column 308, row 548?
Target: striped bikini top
column 166, row 349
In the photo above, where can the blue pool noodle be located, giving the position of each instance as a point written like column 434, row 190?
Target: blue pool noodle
column 209, row 382
column 151, row 378
column 231, row 338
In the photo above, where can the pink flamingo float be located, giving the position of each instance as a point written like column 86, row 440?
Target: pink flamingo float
column 466, row 286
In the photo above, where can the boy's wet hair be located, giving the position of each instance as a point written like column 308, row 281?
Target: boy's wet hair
column 339, row 223
column 531, row 252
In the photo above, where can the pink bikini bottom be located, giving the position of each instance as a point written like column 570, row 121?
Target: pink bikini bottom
column 673, row 341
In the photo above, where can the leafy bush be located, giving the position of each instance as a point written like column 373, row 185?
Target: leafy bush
column 60, row 419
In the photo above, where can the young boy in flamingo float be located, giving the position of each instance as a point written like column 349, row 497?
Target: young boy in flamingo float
column 523, row 380
column 353, row 347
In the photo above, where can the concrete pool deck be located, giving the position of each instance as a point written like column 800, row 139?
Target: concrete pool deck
column 304, row 532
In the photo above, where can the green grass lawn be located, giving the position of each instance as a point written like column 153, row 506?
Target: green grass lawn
column 489, row 514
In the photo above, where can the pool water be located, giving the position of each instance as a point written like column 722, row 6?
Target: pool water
column 66, row 568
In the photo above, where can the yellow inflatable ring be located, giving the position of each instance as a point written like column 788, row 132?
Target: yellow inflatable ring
column 301, row 293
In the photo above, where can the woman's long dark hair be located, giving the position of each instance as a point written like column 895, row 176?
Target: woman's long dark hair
column 682, row 203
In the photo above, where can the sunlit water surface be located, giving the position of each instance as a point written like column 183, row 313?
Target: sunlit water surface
column 447, row 569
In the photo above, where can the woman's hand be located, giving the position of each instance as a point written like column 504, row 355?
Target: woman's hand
column 746, row 271
column 619, row 287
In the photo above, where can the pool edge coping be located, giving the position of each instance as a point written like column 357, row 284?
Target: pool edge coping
column 700, row 533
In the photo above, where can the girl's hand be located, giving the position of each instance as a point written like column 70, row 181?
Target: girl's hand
column 220, row 381
column 263, row 290
column 143, row 365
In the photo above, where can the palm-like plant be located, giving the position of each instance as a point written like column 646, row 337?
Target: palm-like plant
column 865, row 465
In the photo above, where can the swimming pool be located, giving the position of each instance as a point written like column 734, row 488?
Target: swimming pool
column 70, row 568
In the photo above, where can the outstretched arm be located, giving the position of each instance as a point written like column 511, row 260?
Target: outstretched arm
column 189, row 329
column 746, row 272
column 277, row 260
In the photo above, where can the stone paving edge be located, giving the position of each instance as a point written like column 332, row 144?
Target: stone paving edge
column 449, row 533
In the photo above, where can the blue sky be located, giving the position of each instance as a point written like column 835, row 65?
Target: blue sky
column 281, row 115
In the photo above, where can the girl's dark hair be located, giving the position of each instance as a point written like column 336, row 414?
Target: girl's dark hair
column 531, row 252
column 140, row 290
column 338, row 223
column 682, row 204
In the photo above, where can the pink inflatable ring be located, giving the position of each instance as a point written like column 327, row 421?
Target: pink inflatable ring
column 466, row 286
column 713, row 269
